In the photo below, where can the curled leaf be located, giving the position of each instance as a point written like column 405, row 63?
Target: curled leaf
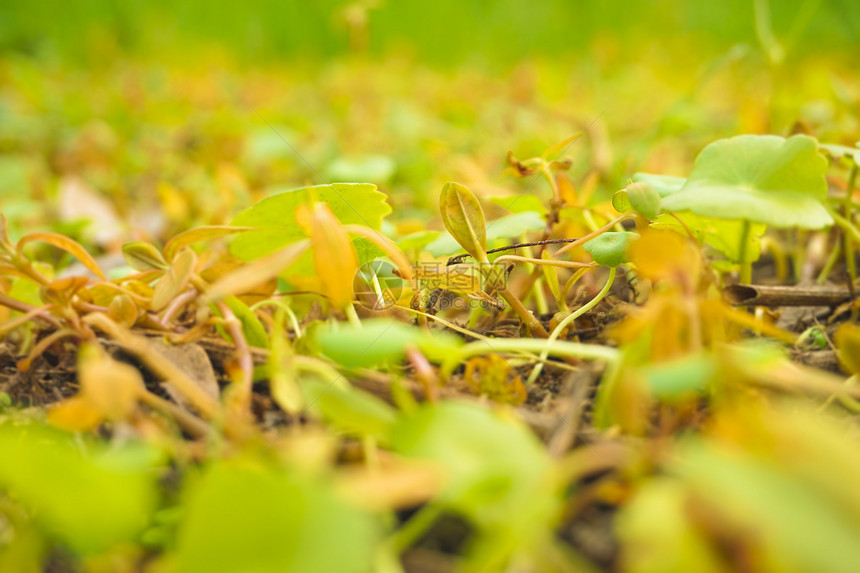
column 464, row 219
column 69, row 245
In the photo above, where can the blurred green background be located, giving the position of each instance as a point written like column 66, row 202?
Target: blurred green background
column 444, row 32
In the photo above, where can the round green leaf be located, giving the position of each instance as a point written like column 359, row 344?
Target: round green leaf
column 610, row 249
column 761, row 178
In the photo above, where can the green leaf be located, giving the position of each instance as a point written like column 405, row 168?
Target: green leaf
column 610, row 249
column 142, row 256
column 723, row 235
column 641, row 197
column 464, row 219
column 499, row 475
column 664, row 185
column 274, row 216
column 88, row 497
column 420, row 239
column 501, row 228
column 658, row 534
column 760, row 178
column 253, row 330
column 681, row 378
column 381, row 341
column 349, row 409
column 244, row 517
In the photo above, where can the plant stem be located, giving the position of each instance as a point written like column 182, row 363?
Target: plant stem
column 850, row 263
column 568, row 320
column 557, row 348
column 746, row 266
column 533, row 324
column 352, row 316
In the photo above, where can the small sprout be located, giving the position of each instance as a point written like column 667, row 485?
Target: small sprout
column 639, row 196
column 610, row 249
column 464, row 219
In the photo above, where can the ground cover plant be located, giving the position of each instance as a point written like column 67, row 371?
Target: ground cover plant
column 566, row 311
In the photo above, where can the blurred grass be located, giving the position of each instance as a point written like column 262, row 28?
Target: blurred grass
column 445, row 32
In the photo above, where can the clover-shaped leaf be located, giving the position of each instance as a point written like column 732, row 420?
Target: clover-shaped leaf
column 758, row 178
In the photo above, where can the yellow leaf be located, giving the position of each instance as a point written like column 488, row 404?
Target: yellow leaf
column 255, row 273
column 174, row 280
column 111, row 388
column 75, row 414
column 70, row 246
column 334, row 255
column 661, row 254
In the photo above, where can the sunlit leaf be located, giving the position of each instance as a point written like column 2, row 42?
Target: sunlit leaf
column 274, row 216
column 501, row 228
column 759, row 178
column 660, row 255
column 334, row 256
column 723, row 235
